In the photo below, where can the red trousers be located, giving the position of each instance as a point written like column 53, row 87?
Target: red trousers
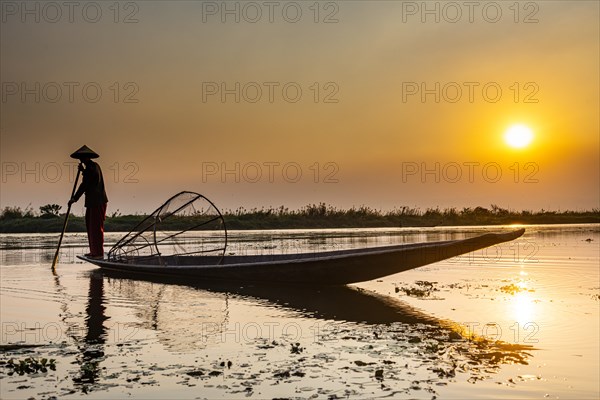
column 94, row 223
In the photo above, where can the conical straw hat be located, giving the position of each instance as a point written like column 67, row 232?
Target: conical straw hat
column 84, row 152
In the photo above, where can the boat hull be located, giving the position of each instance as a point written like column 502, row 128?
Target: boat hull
column 328, row 268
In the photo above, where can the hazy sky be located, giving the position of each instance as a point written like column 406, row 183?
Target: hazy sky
column 287, row 103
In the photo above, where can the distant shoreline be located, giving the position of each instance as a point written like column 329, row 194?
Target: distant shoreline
column 314, row 217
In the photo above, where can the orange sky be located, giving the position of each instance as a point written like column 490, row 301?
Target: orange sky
column 356, row 123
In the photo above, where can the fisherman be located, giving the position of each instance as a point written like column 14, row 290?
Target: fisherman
column 95, row 200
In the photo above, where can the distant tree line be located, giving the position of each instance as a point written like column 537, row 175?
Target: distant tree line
column 313, row 216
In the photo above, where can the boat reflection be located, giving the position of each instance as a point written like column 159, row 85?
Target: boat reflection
column 176, row 309
column 336, row 303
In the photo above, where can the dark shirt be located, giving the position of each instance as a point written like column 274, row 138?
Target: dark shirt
column 92, row 185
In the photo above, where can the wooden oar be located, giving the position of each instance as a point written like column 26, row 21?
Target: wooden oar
column 66, row 219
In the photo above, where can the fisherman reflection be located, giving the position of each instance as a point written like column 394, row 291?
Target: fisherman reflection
column 92, row 351
column 96, row 332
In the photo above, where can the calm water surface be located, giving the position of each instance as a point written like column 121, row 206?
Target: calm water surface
column 519, row 320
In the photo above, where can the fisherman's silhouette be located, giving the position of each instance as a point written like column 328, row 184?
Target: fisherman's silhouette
column 95, row 200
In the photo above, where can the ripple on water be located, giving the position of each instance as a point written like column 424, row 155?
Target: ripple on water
column 150, row 339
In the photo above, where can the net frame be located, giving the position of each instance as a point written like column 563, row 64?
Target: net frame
column 130, row 242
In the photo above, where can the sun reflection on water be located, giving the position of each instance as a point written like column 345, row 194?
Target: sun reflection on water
column 523, row 307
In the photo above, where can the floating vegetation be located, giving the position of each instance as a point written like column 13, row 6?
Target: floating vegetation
column 421, row 289
column 373, row 359
column 88, row 373
column 288, row 374
column 445, row 373
column 296, row 349
column 513, row 289
column 30, row 365
column 283, row 374
column 268, row 346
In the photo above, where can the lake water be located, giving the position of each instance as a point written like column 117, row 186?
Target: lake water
column 518, row 320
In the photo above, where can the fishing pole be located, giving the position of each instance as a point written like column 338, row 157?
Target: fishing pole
column 66, row 219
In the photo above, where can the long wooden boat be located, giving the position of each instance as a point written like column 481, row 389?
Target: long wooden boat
column 323, row 268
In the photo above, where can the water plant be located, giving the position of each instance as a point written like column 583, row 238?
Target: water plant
column 30, row 365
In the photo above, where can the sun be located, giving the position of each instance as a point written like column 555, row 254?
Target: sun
column 518, row 136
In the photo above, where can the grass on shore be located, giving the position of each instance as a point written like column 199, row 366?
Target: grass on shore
column 315, row 216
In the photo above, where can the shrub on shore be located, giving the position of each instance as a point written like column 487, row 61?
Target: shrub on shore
column 315, row 216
